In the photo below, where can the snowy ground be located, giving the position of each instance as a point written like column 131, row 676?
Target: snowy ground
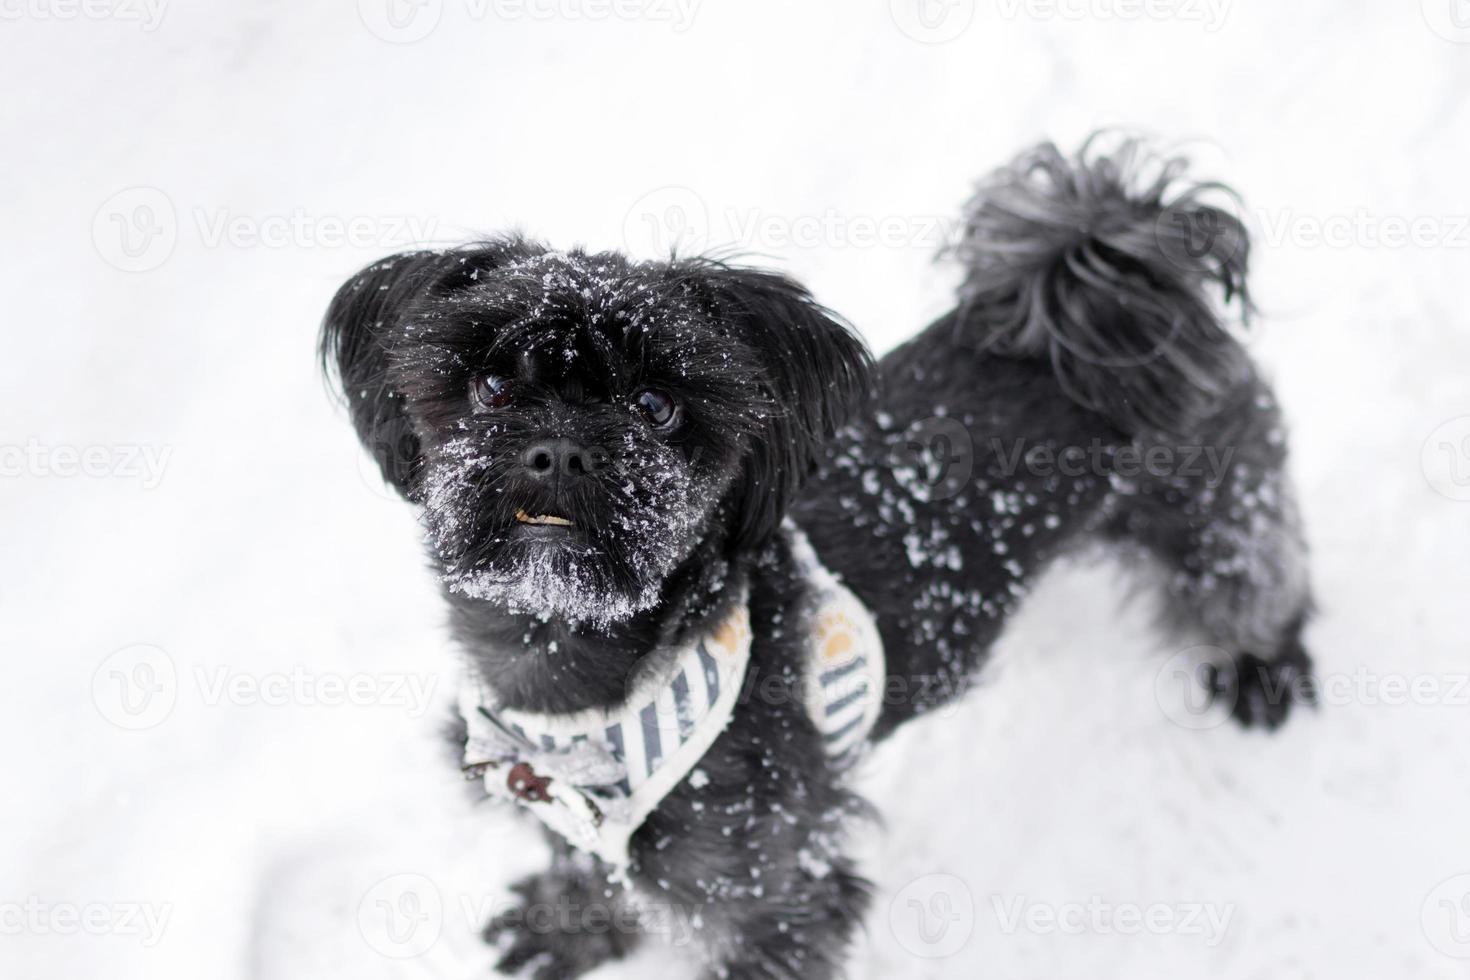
column 178, row 181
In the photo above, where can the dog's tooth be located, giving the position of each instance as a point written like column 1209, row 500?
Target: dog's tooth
column 542, row 519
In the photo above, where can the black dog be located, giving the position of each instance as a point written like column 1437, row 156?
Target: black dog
column 613, row 457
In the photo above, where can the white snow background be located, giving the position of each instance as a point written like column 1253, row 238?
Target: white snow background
column 184, row 792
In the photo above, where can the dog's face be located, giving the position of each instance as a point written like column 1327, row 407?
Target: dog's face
column 576, row 426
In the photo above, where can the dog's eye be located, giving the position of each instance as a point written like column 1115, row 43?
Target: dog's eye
column 658, row 407
column 489, row 392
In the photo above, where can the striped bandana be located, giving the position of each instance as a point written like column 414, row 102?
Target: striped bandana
column 594, row 776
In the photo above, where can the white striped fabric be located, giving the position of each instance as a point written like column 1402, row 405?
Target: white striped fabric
column 845, row 670
column 656, row 738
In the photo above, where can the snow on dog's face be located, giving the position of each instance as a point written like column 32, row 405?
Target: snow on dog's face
column 575, row 425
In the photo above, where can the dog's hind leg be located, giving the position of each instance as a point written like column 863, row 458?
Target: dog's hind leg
column 1219, row 515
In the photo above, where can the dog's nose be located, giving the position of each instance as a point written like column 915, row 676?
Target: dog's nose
column 548, row 458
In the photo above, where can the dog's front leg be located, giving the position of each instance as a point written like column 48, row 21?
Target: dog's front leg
column 743, row 860
column 566, row 921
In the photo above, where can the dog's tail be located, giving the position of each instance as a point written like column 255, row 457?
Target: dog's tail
column 1104, row 264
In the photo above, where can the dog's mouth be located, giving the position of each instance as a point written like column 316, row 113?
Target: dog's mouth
column 542, row 520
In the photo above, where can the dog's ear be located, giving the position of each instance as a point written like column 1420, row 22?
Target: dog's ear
column 816, row 372
column 359, row 329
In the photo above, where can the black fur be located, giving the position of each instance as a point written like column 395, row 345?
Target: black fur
column 1099, row 264
column 1083, row 333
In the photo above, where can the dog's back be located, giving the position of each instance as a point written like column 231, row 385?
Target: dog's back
column 1085, row 385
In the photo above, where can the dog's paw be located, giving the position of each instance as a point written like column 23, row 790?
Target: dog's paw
column 1262, row 693
column 558, row 930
